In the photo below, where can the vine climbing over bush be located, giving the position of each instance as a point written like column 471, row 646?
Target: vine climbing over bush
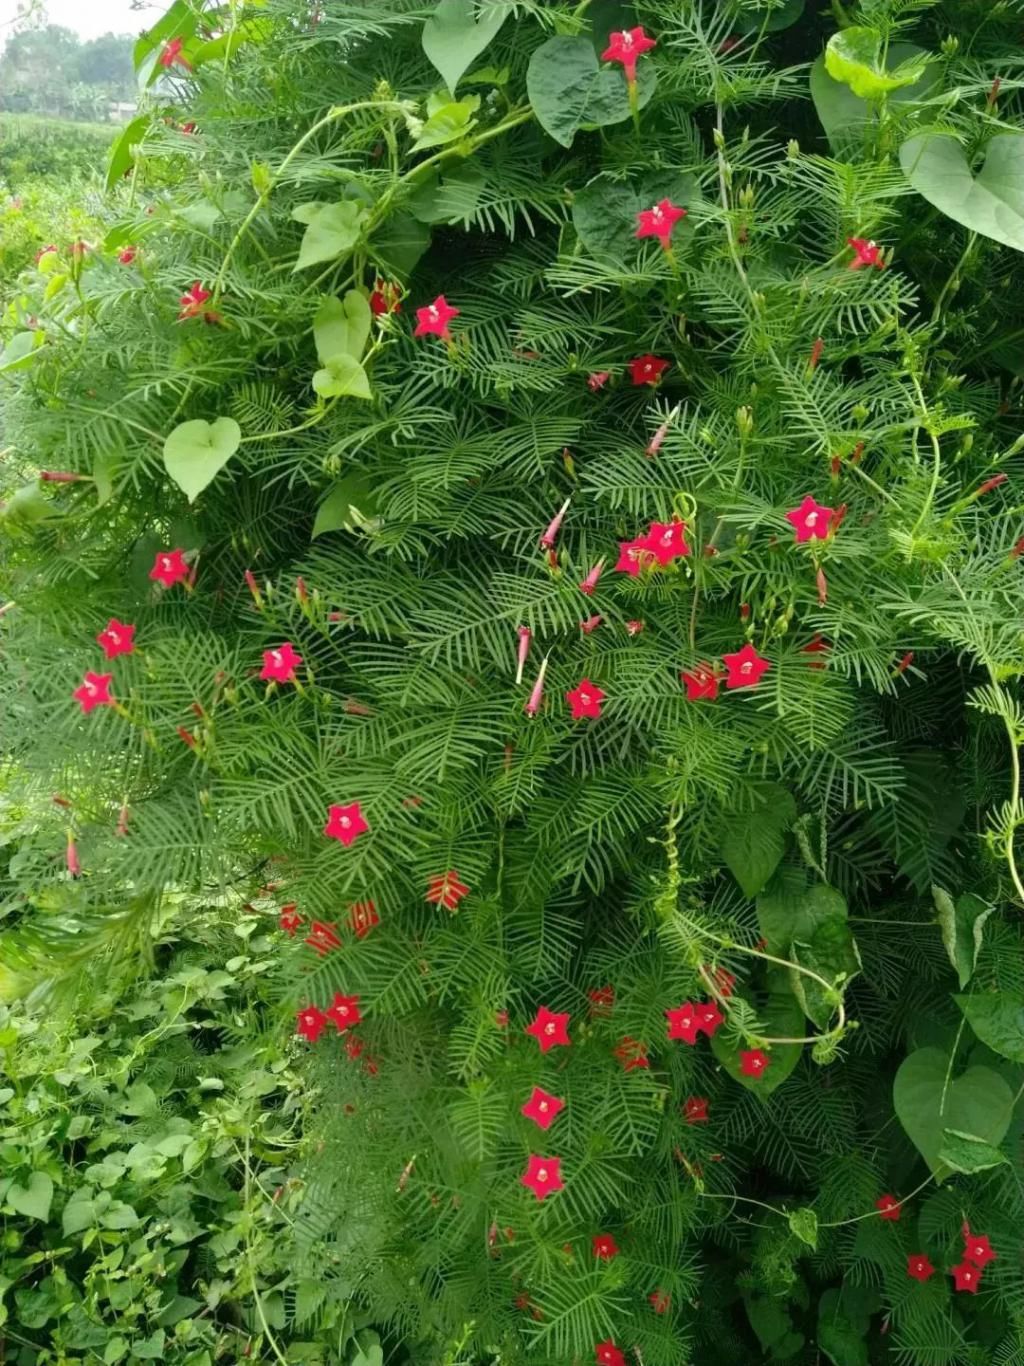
column 539, row 491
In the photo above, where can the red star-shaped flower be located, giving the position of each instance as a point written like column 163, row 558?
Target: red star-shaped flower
column 695, row 1111
column 888, row 1207
column 322, row 937
column 605, row 1247
column 724, row 980
column 647, row 369
column 311, row 1022
column 542, row 1107
column 708, row 1017
column 549, row 1028
column 362, row 917
column 632, row 1053
column 626, row 47
column 978, row 1249
column 661, row 1303
column 446, row 890
column 967, row 1276
column 169, row 568
column 607, row 1353
column 386, row 298
column 345, row 823
column 94, row 691
column 865, row 253
column 598, row 379
column 289, row 919
column 745, row 668
column 279, row 665
column 753, row 1062
column 702, row 683
column 127, row 255
column 659, row 222
column 433, row 320
column 811, row 520
column 602, row 999
column 191, row 302
column 585, row 700
column 344, row 1012
column 543, row 1176
column 683, row 1023
column 171, row 53
column 817, row 645
column 117, row 638
column 633, row 556
column 919, row 1267
column 666, row 540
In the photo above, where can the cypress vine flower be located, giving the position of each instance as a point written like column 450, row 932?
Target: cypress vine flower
column 753, row 1062
column 647, row 369
column 446, row 890
column 888, row 1207
column 345, row 823
column 543, row 1176
column 192, row 301
column 344, row 1012
column 708, row 1017
column 386, row 298
column 94, row 691
column 169, row 568
column 683, row 1022
column 362, row 918
column 865, row 253
column 627, row 47
column 966, row 1276
column 311, row 1022
column 605, row 1247
column 542, row 1107
column 667, row 540
column 695, row 1110
column 659, row 222
column 597, row 379
column 289, row 919
column 661, row 1302
column 550, row 1029
column 590, row 582
column 745, row 668
column 171, row 52
column 433, row 319
column 977, row 1248
column 279, row 665
column 117, row 638
column 919, row 1267
column 608, row 1354
column 585, row 700
column 811, row 520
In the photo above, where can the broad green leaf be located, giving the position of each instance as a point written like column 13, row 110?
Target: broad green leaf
column 453, row 37
column 122, row 154
column 119, row 1216
column 331, row 229
column 451, row 197
column 769, row 1317
column 350, row 505
column 570, row 89
column 976, row 1102
column 79, row 1213
column 990, row 202
column 997, row 1017
column 399, row 244
column 968, row 1153
column 782, row 1018
column 446, row 124
column 804, row 1223
column 224, row 47
column 831, row 952
column 26, row 507
column 962, row 925
column 855, row 56
column 19, row 353
column 178, row 21
column 341, row 326
column 782, row 17
column 604, row 212
column 34, row 1199
column 789, row 910
column 844, row 115
column 844, row 1317
column 195, row 452
column 342, row 376
column 753, row 844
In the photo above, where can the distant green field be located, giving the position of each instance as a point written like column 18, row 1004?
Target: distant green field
column 34, row 148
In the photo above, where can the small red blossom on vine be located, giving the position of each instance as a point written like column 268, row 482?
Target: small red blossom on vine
column 94, row 691
column 279, row 665
column 597, row 379
column 345, row 823
column 605, row 1247
column 608, row 1354
column 745, row 668
column 171, row 53
column 344, row 1012
column 446, row 890
column 667, row 540
column 661, row 1302
column 322, row 938
column 127, row 255
column 702, row 683
column 811, row 520
column 311, row 1023
column 682, row 1022
column 543, row 1176
column 966, row 1276
column 362, row 918
column 117, row 638
column 632, row 556
column 977, row 1248
column 542, row 1107
column 753, row 1062
column 289, row 919
column 585, row 700
column 695, row 1110
column 708, row 1018
column 888, row 1207
column 919, row 1268
column 550, row 1029
column 386, row 298
column 632, row 1054
column 433, row 320
column 627, row 47
column 647, row 369
column 865, row 253
column 553, row 527
column 169, row 568
column 192, row 301
column 602, row 1000
column 590, row 582
column 659, row 222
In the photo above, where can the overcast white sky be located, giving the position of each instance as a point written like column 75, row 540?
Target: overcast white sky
column 89, row 18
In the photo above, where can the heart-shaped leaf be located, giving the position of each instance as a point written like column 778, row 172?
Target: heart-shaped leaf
column 20, row 352
column 990, row 203
column 349, row 505
column 342, row 376
column 962, row 924
column 341, row 326
column 195, row 452
column 856, row 56
column 399, row 244
column 570, row 90
column 448, row 122
column 782, row 1018
column 997, row 1017
column 977, row 1102
column 968, row 1153
column 122, row 154
column 453, row 37
column 451, row 197
column 753, row 844
column 33, row 1200
column 331, row 229
column 789, row 910
column 831, row 952
column 787, row 13
column 804, row 1223
column 844, row 115
column 604, row 212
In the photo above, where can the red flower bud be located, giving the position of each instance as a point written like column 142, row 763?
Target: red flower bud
column 991, row 484
column 816, row 352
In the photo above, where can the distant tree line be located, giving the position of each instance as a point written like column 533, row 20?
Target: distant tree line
column 50, row 70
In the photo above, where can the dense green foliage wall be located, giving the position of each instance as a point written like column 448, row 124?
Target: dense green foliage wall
column 586, row 634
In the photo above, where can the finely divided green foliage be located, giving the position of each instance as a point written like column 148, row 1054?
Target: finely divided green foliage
column 642, row 849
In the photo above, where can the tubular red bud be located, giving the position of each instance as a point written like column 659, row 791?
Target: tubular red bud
column 71, row 856
column 60, row 477
column 816, row 353
column 525, row 636
column 554, row 526
column 533, row 704
column 904, row 663
column 991, row 484
column 590, row 582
